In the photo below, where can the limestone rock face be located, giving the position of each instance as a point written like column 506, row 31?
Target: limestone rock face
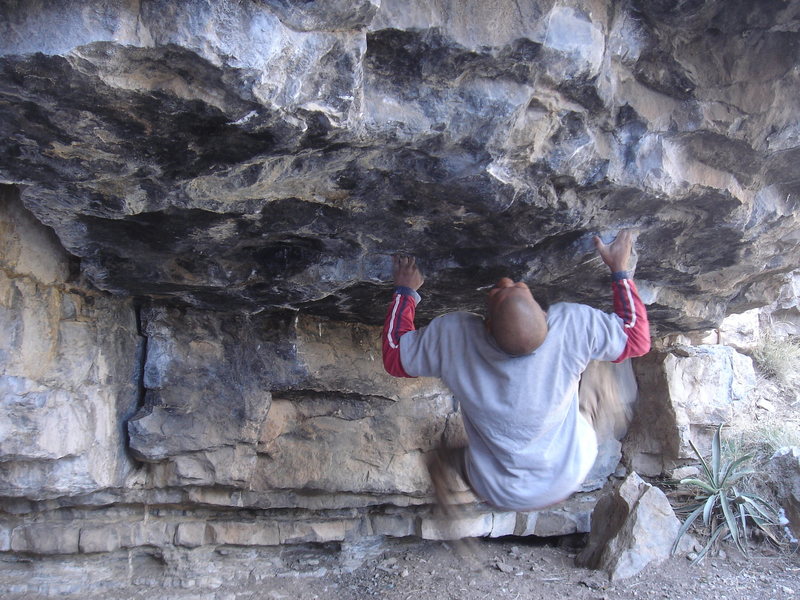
column 69, row 366
column 685, row 392
column 151, row 429
column 784, row 474
column 271, row 405
column 633, row 525
column 256, row 156
column 201, row 369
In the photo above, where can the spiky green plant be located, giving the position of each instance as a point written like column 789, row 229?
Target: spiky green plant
column 726, row 510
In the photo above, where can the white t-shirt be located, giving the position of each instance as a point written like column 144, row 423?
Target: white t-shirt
column 529, row 446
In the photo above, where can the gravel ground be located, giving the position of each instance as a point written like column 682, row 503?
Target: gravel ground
column 509, row 568
column 518, row 569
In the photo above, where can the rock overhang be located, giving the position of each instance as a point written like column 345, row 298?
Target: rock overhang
column 258, row 157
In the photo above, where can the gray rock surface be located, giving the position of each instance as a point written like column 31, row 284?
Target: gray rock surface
column 633, row 525
column 257, row 156
column 784, row 475
column 200, row 369
column 685, row 392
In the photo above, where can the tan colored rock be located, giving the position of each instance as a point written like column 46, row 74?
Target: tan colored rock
column 193, row 534
column 563, row 519
column 784, row 476
column 684, row 472
column 229, row 466
column 68, row 369
column 27, row 248
column 319, row 531
column 41, row 423
column 149, row 532
column 685, row 392
column 633, row 526
column 350, row 445
column 462, row 525
column 345, row 358
column 253, row 533
column 99, row 538
column 503, row 523
column 741, row 331
column 394, row 525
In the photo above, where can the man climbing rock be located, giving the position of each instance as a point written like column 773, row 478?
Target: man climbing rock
column 515, row 374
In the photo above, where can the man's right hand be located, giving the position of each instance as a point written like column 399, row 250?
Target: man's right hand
column 406, row 273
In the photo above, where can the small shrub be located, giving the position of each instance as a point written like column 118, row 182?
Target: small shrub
column 726, row 510
column 778, row 358
column 762, row 438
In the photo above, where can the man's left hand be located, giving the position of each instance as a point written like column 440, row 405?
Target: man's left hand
column 406, row 273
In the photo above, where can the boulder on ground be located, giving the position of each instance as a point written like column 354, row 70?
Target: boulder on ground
column 784, row 474
column 633, row 525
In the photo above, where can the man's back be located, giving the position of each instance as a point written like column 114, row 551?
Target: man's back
column 528, row 444
column 516, row 375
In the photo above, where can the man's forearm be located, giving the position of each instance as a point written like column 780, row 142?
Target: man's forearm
column 630, row 308
column 399, row 320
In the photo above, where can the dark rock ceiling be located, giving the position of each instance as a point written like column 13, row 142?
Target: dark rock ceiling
column 272, row 155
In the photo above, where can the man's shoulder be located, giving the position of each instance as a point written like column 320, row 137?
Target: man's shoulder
column 573, row 311
column 572, row 307
column 458, row 319
column 568, row 308
column 449, row 330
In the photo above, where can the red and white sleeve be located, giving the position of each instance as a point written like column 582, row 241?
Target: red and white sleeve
column 399, row 320
column 630, row 308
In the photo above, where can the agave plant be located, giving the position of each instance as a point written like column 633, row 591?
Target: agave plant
column 726, row 510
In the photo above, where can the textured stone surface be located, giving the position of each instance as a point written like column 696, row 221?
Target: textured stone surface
column 266, row 404
column 782, row 317
column 158, row 430
column 259, row 156
column 784, row 475
column 633, row 525
column 237, row 174
column 685, row 392
column 69, row 369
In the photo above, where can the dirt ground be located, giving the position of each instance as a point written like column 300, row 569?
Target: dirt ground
column 509, row 568
column 519, row 569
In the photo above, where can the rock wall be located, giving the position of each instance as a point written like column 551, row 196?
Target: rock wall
column 686, row 392
column 69, row 369
column 199, row 201
column 251, row 156
column 182, row 436
column 150, row 432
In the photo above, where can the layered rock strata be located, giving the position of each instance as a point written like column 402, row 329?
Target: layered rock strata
column 262, row 155
column 198, row 374
column 153, row 429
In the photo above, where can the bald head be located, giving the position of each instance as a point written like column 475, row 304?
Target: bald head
column 515, row 320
